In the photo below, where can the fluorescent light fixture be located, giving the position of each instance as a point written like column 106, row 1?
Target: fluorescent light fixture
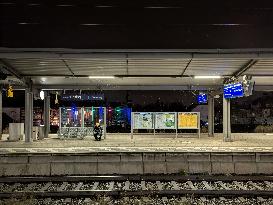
column 207, row 77
column 101, row 77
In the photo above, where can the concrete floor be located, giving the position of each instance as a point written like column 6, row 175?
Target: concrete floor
column 242, row 142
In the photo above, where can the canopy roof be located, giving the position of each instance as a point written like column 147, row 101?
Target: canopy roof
column 168, row 70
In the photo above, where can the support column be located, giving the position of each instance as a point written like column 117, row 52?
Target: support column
column 28, row 115
column 105, row 122
column 211, row 115
column 1, row 112
column 226, row 120
column 46, row 114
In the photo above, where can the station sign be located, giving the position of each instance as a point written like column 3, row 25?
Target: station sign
column 82, row 97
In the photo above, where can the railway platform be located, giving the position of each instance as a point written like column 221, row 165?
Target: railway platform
column 119, row 154
column 241, row 142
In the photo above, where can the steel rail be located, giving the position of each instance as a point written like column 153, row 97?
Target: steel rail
column 152, row 178
column 120, row 193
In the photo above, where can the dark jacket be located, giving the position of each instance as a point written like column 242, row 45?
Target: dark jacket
column 97, row 128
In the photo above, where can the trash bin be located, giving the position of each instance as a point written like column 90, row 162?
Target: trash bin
column 41, row 132
column 35, row 133
column 38, row 133
column 16, row 131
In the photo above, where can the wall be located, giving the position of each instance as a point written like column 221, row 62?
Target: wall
column 135, row 163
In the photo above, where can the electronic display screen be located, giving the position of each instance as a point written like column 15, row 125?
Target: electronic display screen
column 233, row 90
column 202, row 98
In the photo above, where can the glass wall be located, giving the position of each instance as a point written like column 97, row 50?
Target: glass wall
column 88, row 117
column 71, row 117
column 117, row 119
column 98, row 115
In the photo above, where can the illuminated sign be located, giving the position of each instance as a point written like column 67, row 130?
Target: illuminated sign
column 233, row 90
column 82, row 97
column 188, row 120
column 10, row 92
column 202, row 98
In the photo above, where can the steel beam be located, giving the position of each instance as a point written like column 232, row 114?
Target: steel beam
column 211, row 115
column 68, row 67
column 117, row 76
column 115, row 54
column 244, row 68
column 46, row 114
column 65, row 53
column 9, row 68
column 226, row 120
column 184, row 70
column 28, row 115
column 126, row 87
column 1, row 112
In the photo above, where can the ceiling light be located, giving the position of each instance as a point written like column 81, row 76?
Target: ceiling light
column 42, row 95
column 64, row 5
column 101, row 77
column 207, row 77
column 91, row 24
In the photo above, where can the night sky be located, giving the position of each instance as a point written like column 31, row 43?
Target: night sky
column 142, row 24
column 142, row 98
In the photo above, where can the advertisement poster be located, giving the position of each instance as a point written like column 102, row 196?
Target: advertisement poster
column 165, row 120
column 187, row 120
column 143, row 120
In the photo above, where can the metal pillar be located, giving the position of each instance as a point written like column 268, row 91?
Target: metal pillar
column 226, row 120
column 105, row 123
column 211, row 116
column 46, row 114
column 1, row 111
column 28, row 115
column 82, row 117
column 132, row 125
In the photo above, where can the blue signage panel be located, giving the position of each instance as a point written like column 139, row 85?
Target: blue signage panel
column 233, row 90
column 202, row 98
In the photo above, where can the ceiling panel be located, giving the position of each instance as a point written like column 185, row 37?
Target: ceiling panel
column 124, row 81
column 263, row 80
column 139, row 66
column 39, row 66
column 262, row 67
column 98, row 66
column 156, row 66
column 214, row 66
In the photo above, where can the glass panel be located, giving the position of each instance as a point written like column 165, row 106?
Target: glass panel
column 119, row 119
column 71, row 117
column 98, row 115
column 88, row 117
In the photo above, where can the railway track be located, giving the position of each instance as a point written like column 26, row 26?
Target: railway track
column 163, row 188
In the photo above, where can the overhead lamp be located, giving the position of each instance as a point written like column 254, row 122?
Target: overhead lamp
column 101, row 77
column 42, row 95
column 207, row 77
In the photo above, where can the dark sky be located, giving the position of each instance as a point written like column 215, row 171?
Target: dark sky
column 143, row 98
column 141, row 24
column 136, row 97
